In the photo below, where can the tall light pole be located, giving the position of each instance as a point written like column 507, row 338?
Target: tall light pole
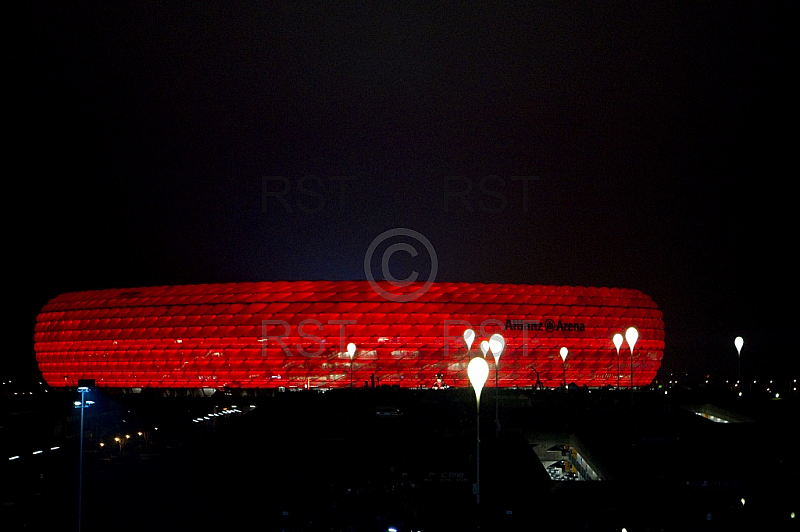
column 469, row 338
column 478, row 371
column 351, row 350
column 617, row 343
column 83, row 388
column 564, row 352
column 631, row 335
column 496, row 345
column 739, row 342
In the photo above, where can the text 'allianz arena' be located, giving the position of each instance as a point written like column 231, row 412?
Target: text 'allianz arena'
column 294, row 334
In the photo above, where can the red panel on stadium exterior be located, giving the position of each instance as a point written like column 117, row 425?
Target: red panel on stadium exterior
column 295, row 333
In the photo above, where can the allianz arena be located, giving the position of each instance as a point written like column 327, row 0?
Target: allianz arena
column 293, row 334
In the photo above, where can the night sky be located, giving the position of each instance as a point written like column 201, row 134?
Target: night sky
column 578, row 143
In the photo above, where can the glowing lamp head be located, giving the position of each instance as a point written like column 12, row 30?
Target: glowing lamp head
column 739, row 342
column 351, row 349
column 469, row 337
column 617, row 341
column 485, row 347
column 631, row 335
column 496, row 345
column 478, row 371
column 564, row 352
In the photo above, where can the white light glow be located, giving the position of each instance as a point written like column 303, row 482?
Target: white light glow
column 478, row 371
column 496, row 345
column 351, row 349
column 631, row 335
column 617, row 341
column 739, row 342
column 485, row 347
column 564, row 352
column 469, row 337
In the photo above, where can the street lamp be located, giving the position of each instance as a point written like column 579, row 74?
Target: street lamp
column 351, row 350
column 631, row 335
column 496, row 345
column 617, row 343
column 739, row 342
column 564, row 352
column 83, row 388
column 478, row 371
column 469, row 338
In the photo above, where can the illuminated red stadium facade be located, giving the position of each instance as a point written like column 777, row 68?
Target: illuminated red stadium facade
column 294, row 334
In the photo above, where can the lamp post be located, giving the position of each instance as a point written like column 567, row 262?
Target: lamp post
column 83, row 388
column 631, row 335
column 496, row 345
column 351, row 350
column 617, row 343
column 478, row 371
column 564, row 352
column 739, row 342
column 469, row 338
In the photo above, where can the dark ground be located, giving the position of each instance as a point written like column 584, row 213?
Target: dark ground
column 314, row 461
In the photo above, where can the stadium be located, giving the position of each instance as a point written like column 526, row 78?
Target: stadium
column 294, row 334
